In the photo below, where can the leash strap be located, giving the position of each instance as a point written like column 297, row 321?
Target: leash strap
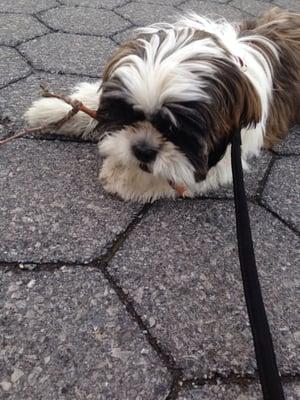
column 264, row 350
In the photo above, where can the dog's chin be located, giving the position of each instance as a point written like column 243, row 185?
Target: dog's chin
column 130, row 182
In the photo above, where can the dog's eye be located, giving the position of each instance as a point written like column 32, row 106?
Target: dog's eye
column 116, row 113
column 163, row 125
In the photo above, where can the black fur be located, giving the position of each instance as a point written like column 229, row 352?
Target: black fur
column 188, row 134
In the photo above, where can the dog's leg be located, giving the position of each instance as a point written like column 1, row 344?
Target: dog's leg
column 50, row 110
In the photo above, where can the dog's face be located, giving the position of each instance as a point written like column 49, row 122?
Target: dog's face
column 169, row 101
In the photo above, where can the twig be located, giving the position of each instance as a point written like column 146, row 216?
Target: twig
column 20, row 134
column 76, row 107
column 76, row 104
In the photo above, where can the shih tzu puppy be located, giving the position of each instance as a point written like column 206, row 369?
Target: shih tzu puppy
column 170, row 99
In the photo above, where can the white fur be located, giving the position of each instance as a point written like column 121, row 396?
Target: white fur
column 50, row 110
column 169, row 164
column 166, row 74
column 148, row 76
column 258, row 68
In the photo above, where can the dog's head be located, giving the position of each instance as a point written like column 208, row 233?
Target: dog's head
column 169, row 101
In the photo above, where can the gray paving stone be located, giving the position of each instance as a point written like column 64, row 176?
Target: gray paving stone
column 68, row 53
column 125, row 35
column 221, row 1
column 12, row 66
column 28, row 6
column 52, row 206
column 253, row 178
column 292, row 5
column 109, row 4
column 17, row 97
column 180, row 267
column 65, row 335
column 161, row 2
column 254, row 7
column 291, row 145
column 214, row 10
column 6, row 127
column 143, row 14
column 84, row 20
column 230, row 392
column 282, row 190
column 15, row 28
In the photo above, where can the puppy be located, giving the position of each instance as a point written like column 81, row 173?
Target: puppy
column 170, row 99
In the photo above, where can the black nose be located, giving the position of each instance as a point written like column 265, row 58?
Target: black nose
column 144, row 152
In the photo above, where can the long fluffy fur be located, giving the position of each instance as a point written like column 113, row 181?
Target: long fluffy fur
column 196, row 72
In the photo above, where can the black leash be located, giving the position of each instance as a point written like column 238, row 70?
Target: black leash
column 264, row 350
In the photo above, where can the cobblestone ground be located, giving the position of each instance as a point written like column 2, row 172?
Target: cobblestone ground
column 102, row 299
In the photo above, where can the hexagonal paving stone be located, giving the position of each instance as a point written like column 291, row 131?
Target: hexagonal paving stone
column 52, row 206
column 145, row 13
column 291, row 145
column 16, row 98
column 65, row 335
column 214, row 10
column 12, row 66
column 253, row 7
column 292, row 5
column 109, row 4
column 61, row 52
column 84, row 20
column 16, row 28
column 28, row 6
column 282, row 190
column 180, row 267
column 230, row 392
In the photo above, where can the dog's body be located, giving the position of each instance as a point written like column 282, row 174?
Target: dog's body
column 170, row 99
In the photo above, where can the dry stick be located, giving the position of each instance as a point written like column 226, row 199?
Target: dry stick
column 73, row 103
column 76, row 107
column 20, row 134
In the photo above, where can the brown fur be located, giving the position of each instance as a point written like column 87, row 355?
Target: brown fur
column 282, row 28
column 236, row 102
column 126, row 49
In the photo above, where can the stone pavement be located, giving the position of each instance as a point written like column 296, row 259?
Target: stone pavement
column 102, row 299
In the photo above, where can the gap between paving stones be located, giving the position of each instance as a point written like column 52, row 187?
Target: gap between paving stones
column 263, row 205
column 179, row 382
column 262, row 183
column 101, row 265
column 259, row 199
column 17, row 79
column 53, row 30
column 25, row 41
column 231, row 379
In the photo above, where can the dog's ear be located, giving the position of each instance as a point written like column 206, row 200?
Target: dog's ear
column 249, row 107
column 201, row 166
column 131, row 47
